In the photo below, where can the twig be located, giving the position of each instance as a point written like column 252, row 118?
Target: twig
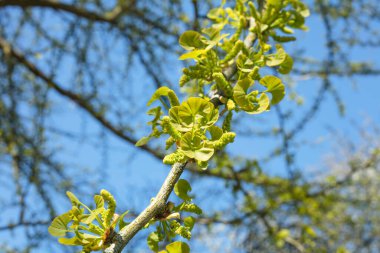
column 159, row 202
column 64, row 7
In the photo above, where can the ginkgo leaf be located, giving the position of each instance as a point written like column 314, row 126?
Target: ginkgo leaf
column 216, row 13
column 121, row 221
column 286, row 66
column 193, row 113
column 204, row 154
column 194, row 110
column 275, row 3
column 182, row 188
column 216, row 132
column 248, row 102
column 70, row 241
column 263, row 103
column 212, row 43
column 211, row 32
column 153, row 240
column 176, row 247
column 189, row 222
column 93, row 215
column 193, row 54
column 99, row 201
column 276, row 59
column 240, row 94
column 274, row 86
column 190, row 40
column 193, row 147
column 59, row 226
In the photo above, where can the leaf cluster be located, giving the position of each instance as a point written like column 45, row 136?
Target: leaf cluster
column 170, row 224
column 188, row 125
column 90, row 228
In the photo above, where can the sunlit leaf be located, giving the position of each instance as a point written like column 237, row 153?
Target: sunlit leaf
column 59, row 226
column 275, row 3
column 216, row 132
column 276, row 59
column 121, row 221
column 182, row 188
column 92, row 216
column 193, row 147
column 177, row 247
column 286, row 66
column 189, row 222
column 193, row 54
column 99, row 201
column 195, row 112
column 274, row 86
column 153, row 241
column 70, row 241
column 262, row 104
column 191, row 40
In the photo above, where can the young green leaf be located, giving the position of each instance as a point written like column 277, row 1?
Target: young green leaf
column 193, row 54
column 121, row 221
column 286, row 66
column 182, row 188
column 274, row 86
column 153, row 240
column 59, row 226
column 248, row 102
column 193, row 113
column 194, row 147
column 99, row 201
column 276, row 59
column 70, row 241
column 190, row 208
column 215, row 132
column 191, row 40
column 93, row 215
column 177, row 247
column 189, row 222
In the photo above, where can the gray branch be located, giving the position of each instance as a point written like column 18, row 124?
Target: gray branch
column 157, row 205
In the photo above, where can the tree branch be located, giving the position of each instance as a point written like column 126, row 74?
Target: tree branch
column 111, row 17
column 65, row 7
column 159, row 202
column 12, row 226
